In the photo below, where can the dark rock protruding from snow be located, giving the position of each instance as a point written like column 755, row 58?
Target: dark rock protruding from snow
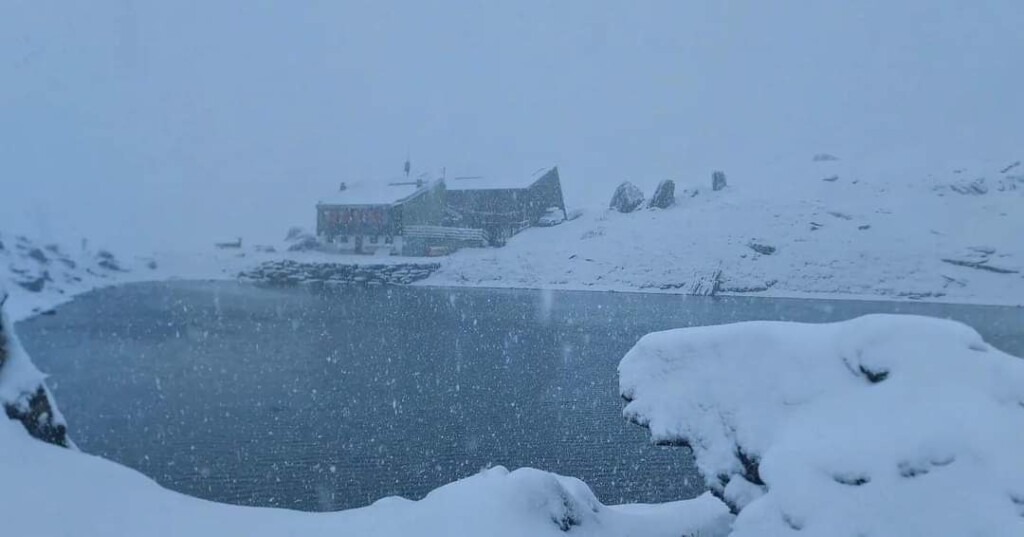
column 627, row 198
column 23, row 395
column 761, row 248
column 300, row 240
column 824, row 157
column 664, row 196
column 108, row 261
column 288, row 272
column 718, row 180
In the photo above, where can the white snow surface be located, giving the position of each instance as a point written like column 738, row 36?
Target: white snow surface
column 930, row 446
column 50, row 491
column 368, row 192
column 880, row 229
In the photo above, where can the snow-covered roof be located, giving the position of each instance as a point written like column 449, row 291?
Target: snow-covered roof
column 376, row 192
column 495, row 183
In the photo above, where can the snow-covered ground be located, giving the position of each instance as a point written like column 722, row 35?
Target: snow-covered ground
column 881, row 425
column 51, row 491
column 824, row 228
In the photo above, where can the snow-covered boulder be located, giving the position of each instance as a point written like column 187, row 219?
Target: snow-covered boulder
column 718, row 181
column 881, row 425
column 627, row 198
column 23, row 393
column 664, row 196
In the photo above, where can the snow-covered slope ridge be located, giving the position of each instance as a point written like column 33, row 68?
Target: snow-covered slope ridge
column 39, row 275
column 50, row 491
column 818, row 226
column 881, row 425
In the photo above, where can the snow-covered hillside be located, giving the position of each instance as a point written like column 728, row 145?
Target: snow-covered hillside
column 824, row 227
column 882, row 425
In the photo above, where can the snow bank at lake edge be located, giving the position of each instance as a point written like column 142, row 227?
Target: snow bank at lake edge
column 24, row 396
column 881, row 425
column 51, row 491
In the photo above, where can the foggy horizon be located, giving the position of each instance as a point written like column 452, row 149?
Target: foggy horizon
column 147, row 125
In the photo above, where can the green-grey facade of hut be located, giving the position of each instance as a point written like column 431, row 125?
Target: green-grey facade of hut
column 504, row 208
column 372, row 218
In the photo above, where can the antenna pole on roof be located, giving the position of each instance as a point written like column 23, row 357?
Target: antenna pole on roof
column 408, row 165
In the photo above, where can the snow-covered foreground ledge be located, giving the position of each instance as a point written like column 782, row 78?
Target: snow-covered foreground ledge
column 51, row 491
column 881, row 425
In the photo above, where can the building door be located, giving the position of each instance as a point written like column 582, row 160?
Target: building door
column 359, row 244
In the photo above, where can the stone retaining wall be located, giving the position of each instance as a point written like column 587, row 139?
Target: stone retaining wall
column 287, row 272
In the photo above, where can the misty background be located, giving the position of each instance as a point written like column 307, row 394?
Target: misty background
column 151, row 124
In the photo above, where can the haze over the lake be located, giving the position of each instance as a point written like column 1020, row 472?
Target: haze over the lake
column 149, row 123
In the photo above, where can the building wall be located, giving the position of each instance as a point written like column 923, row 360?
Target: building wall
column 335, row 220
column 347, row 244
column 504, row 212
column 545, row 193
column 427, row 209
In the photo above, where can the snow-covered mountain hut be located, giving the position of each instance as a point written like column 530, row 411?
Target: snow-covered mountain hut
column 371, row 217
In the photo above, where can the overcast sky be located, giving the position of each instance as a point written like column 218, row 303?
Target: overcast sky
column 155, row 122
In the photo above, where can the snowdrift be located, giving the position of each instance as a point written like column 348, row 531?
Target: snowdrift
column 52, row 491
column 881, row 425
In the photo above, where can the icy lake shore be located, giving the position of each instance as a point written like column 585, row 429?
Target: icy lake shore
column 838, row 229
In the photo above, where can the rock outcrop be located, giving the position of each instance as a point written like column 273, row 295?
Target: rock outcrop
column 287, row 272
column 34, row 267
column 23, row 394
column 664, row 196
column 761, row 248
column 718, row 180
column 627, row 198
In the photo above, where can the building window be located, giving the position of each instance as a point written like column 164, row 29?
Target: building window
column 388, row 239
column 343, row 239
column 374, row 239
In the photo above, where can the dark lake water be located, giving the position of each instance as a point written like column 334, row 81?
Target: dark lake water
column 321, row 399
